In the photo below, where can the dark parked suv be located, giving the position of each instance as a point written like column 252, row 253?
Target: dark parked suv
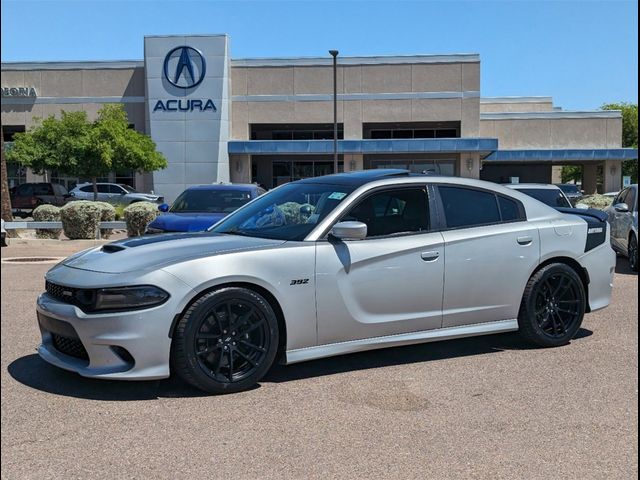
column 26, row 197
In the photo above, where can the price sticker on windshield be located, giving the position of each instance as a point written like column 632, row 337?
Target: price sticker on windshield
column 337, row 195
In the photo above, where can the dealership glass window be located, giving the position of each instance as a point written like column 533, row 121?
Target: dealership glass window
column 16, row 174
column 437, row 167
column 411, row 130
column 301, row 131
column 288, row 171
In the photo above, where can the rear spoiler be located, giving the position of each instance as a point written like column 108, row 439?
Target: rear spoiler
column 585, row 212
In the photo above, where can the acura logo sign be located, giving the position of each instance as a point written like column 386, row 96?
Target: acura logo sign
column 184, row 67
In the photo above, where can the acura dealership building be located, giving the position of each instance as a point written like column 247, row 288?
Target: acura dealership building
column 270, row 120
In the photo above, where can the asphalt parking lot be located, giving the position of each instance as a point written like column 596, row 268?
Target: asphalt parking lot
column 488, row 407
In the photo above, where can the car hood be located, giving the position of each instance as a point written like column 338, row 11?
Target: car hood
column 156, row 251
column 186, row 222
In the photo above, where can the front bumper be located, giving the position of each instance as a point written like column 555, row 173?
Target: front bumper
column 127, row 346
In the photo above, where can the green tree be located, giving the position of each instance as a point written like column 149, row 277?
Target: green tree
column 629, row 134
column 74, row 146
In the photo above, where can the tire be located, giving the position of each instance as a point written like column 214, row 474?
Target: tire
column 553, row 306
column 632, row 253
column 226, row 341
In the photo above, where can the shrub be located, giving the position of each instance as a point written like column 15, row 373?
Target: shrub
column 138, row 215
column 107, row 214
column 596, row 201
column 80, row 219
column 47, row 213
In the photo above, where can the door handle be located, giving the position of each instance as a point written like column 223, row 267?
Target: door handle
column 430, row 256
column 525, row 240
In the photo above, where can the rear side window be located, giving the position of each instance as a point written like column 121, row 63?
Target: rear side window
column 465, row 207
column 103, row 188
column 509, row 210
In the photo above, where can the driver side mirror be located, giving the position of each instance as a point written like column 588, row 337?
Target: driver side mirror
column 163, row 207
column 621, row 207
column 349, row 231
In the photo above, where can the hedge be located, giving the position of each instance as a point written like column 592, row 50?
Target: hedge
column 107, row 214
column 138, row 215
column 80, row 219
column 596, row 201
column 47, row 213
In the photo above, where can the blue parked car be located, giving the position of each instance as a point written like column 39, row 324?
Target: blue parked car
column 199, row 207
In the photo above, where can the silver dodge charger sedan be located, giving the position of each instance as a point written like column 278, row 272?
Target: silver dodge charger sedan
column 326, row 266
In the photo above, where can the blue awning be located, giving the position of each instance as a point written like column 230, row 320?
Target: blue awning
column 562, row 155
column 325, row 147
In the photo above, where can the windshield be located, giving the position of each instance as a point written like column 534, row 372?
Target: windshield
column 210, row 201
column 553, row 198
column 287, row 213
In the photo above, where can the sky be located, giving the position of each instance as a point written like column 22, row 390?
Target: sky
column 582, row 53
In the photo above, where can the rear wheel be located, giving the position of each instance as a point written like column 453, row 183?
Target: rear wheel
column 632, row 251
column 226, row 341
column 553, row 306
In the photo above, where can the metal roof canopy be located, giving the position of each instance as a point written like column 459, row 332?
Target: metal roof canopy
column 325, row 147
column 562, row 155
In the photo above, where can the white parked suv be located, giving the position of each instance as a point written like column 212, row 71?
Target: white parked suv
column 117, row 193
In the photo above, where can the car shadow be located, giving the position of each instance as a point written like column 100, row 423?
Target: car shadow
column 35, row 373
column 622, row 266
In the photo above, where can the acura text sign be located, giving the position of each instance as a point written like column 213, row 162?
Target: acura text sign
column 19, row 92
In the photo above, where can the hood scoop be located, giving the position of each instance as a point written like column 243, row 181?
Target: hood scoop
column 111, row 248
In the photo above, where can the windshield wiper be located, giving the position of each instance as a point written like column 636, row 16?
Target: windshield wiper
column 239, row 233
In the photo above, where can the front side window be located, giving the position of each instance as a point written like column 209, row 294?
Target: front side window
column 87, row 189
column 393, row 212
column 290, row 212
column 621, row 197
column 466, row 207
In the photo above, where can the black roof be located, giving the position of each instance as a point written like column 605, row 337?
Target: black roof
column 358, row 178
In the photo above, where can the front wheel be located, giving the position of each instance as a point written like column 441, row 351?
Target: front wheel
column 553, row 306
column 226, row 341
column 632, row 251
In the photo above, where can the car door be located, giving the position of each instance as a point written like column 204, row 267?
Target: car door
column 617, row 220
column 491, row 251
column 391, row 281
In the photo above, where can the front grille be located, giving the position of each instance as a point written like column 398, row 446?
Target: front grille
column 64, row 294
column 79, row 297
column 69, row 346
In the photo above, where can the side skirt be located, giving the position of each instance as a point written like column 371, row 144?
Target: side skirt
column 450, row 333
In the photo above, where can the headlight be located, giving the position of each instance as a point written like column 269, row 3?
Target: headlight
column 123, row 298
column 152, row 231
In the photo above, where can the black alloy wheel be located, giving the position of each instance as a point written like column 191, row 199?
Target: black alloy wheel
column 633, row 253
column 226, row 341
column 553, row 306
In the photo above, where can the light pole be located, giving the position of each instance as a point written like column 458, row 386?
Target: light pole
column 334, row 54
